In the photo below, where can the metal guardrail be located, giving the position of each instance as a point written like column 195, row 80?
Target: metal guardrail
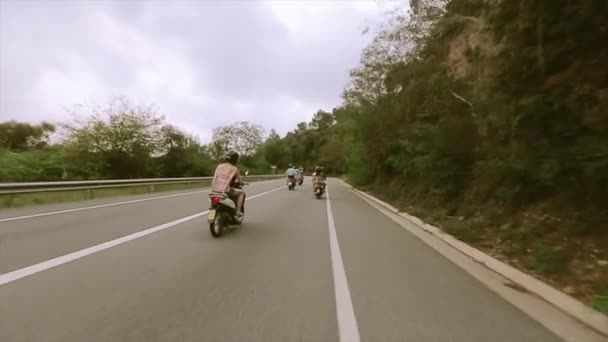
column 33, row 187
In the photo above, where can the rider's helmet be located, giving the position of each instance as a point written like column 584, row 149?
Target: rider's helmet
column 290, row 166
column 232, row 157
column 318, row 168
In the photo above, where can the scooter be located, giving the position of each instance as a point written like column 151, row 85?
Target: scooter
column 301, row 180
column 319, row 189
column 291, row 183
column 222, row 212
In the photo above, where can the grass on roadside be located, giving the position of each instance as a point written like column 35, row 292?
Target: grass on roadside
column 600, row 303
column 550, row 260
column 22, row 200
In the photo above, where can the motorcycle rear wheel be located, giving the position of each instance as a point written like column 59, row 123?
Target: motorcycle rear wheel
column 217, row 226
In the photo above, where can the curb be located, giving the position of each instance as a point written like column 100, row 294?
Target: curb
column 564, row 302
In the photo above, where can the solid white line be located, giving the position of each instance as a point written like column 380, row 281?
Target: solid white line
column 347, row 322
column 45, row 265
column 105, row 205
column 99, row 206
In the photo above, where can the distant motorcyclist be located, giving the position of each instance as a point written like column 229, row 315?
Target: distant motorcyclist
column 226, row 175
column 300, row 176
column 319, row 172
column 318, row 175
column 291, row 173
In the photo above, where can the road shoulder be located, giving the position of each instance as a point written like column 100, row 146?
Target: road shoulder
column 559, row 313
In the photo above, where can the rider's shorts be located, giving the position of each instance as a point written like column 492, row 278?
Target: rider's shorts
column 234, row 193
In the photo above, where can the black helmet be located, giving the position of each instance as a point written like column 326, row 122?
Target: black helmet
column 232, row 157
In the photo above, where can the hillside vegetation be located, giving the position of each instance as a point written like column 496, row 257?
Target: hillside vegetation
column 489, row 119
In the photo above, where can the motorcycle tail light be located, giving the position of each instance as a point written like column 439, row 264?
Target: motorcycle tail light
column 215, row 200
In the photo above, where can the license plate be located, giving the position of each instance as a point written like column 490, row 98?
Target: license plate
column 211, row 215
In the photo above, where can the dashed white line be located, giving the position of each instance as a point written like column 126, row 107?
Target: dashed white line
column 347, row 322
column 45, row 265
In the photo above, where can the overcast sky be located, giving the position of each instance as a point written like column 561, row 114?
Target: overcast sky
column 204, row 63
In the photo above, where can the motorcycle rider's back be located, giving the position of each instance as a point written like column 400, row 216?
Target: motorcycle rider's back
column 291, row 173
column 318, row 176
column 224, row 174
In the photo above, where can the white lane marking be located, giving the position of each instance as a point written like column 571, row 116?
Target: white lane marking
column 45, row 265
column 347, row 322
column 103, row 205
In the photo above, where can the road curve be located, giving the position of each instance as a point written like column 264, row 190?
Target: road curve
column 277, row 278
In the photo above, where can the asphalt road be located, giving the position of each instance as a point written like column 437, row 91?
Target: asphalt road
column 283, row 276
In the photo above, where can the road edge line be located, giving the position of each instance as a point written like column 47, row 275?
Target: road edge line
column 347, row 321
column 27, row 271
column 567, row 304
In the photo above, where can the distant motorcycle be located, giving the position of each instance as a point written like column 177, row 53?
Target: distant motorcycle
column 301, row 180
column 222, row 212
column 319, row 188
column 291, row 183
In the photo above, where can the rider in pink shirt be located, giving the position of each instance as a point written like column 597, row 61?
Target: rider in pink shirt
column 225, row 175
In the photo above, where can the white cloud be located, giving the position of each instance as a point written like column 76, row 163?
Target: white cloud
column 203, row 63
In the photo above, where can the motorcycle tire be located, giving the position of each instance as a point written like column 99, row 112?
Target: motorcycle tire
column 217, row 226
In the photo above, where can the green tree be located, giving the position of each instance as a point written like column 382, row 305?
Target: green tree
column 243, row 137
column 274, row 150
column 18, row 136
column 116, row 141
column 182, row 155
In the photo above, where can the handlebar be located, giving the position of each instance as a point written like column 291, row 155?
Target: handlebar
column 238, row 184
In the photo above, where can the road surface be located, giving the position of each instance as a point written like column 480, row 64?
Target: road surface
column 300, row 269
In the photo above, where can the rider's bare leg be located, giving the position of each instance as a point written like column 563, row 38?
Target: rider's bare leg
column 239, row 202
